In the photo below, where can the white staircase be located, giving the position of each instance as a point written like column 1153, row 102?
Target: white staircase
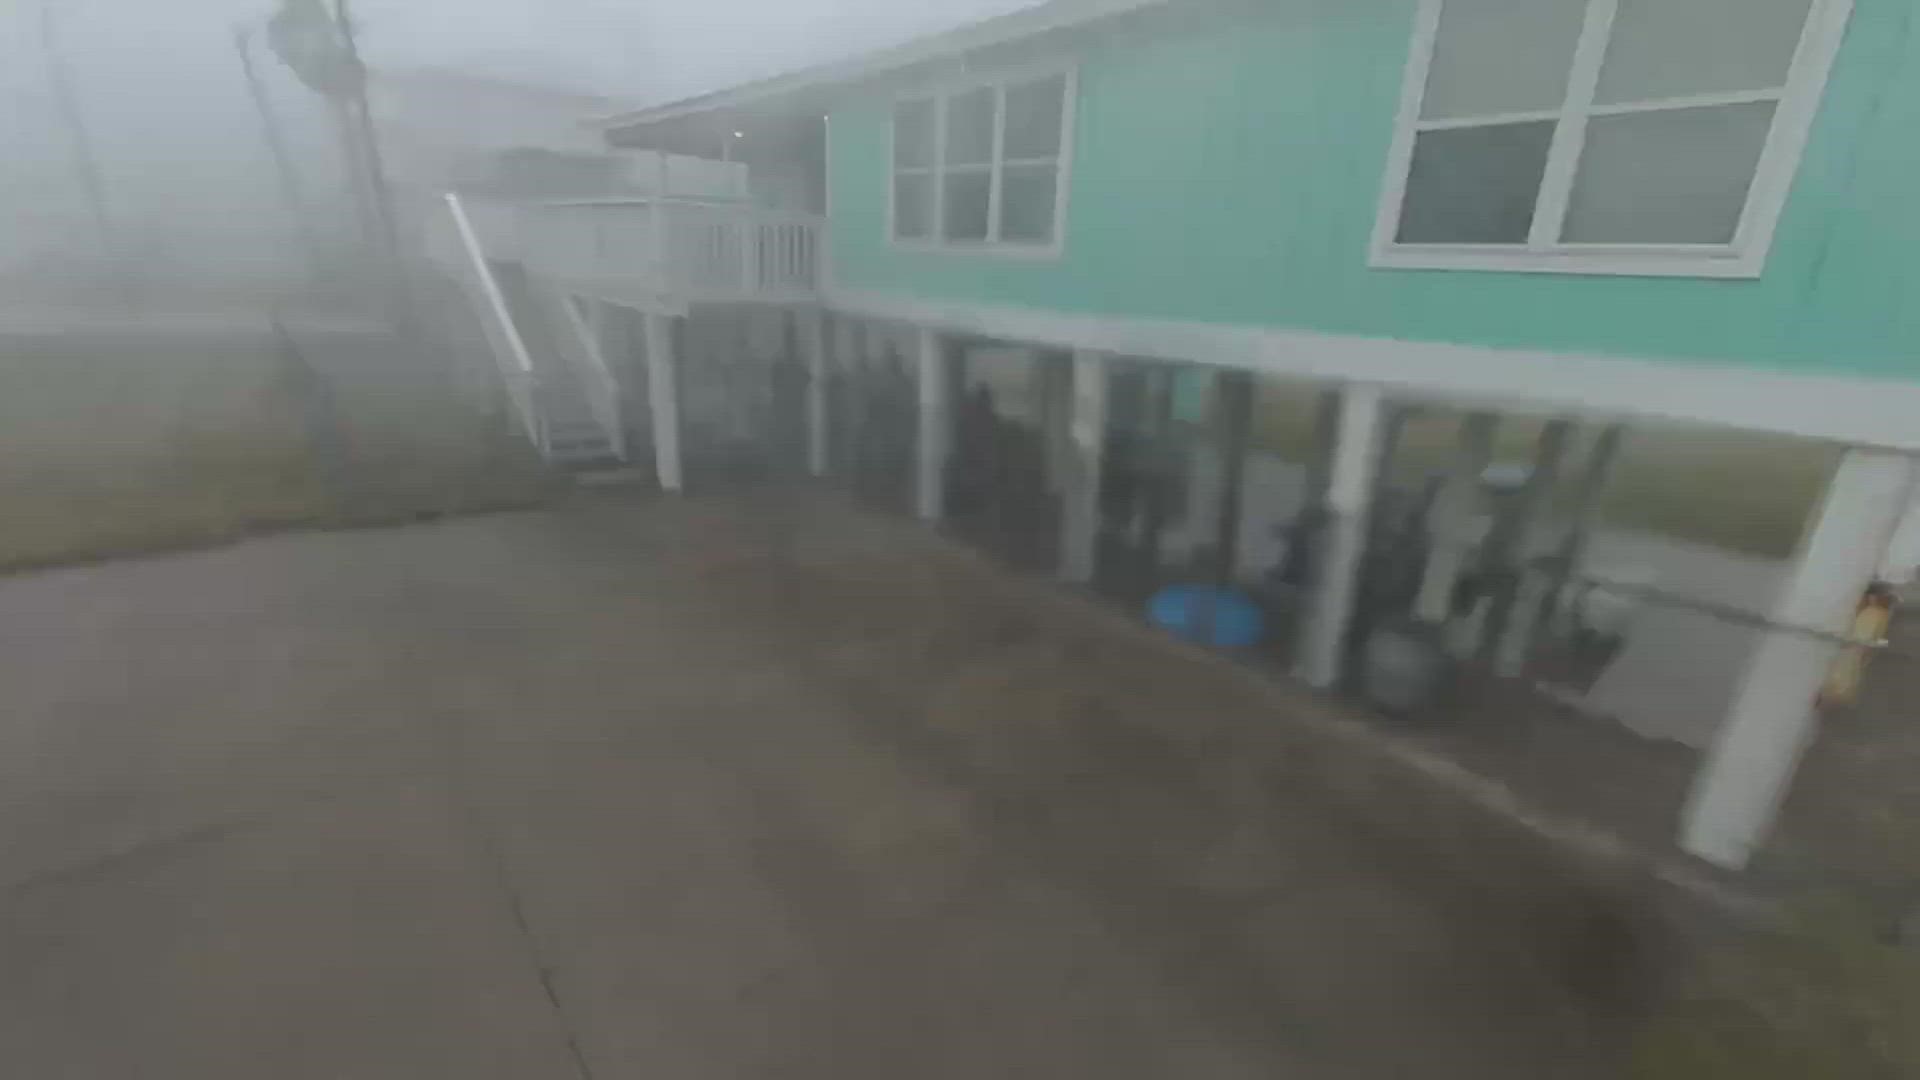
column 564, row 396
column 585, row 372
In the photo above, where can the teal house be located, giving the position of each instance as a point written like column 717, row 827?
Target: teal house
column 1126, row 227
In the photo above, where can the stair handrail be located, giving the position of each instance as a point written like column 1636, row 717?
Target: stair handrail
column 516, row 366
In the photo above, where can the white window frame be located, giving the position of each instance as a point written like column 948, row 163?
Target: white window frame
column 1062, row 163
column 1796, row 103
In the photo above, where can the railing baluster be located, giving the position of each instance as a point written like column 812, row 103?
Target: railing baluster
column 749, row 255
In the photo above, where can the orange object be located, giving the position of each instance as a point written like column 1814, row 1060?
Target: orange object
column 1869, row 629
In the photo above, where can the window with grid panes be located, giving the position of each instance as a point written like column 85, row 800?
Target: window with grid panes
column 982, row 165
column 1598, row 128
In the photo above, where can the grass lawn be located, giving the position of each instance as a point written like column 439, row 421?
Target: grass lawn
column 1737, row 490
column 113, row 446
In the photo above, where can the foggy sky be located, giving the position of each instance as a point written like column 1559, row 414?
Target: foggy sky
column 648, row 50
column 178, row 140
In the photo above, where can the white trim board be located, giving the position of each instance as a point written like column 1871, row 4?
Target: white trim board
column 1847, row 409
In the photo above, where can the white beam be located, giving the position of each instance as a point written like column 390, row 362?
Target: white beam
column 936, row 424
column 813, row 346
column 1854, row 409
column 663, row 400
column 1349, row 492
column 1770, row 721
column 1087, row 425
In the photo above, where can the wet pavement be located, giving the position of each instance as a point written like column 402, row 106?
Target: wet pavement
column 721, row 788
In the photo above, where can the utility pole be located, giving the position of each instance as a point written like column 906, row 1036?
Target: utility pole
column 85, row 162
column 291, row 190
column 317, row 42
column 354, row 163
column 360, row 116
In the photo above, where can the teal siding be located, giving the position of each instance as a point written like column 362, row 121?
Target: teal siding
column 1227, row 168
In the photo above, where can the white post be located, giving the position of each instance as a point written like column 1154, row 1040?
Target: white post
column 1452, row 513
column 936, row 422
column 749, row 254
column 813, row 345
column 1356, row 459
column 663, row 400
column 1087, row 420
column 1738, row 791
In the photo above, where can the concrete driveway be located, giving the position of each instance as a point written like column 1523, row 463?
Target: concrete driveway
column 540, row 795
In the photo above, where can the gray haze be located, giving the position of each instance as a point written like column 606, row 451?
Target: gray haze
column 646, row 50
column 188, row 176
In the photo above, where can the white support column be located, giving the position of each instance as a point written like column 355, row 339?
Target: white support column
column 663, row 400
column 1452, row 513
column 1770, row 721
column 1087, row 426
column 936, row 424
column 813, row 346
column 1349, row 492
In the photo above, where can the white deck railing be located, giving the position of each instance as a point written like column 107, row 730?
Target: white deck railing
column 672, row 248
